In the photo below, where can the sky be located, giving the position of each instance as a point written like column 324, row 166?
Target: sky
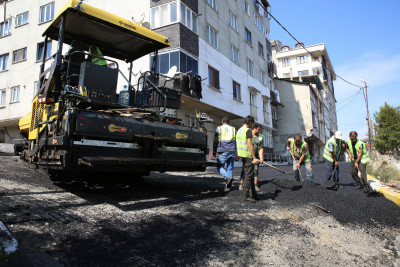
column 363, row 42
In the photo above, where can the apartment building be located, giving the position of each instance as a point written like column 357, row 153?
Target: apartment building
column 306, row 87
column 225, row 42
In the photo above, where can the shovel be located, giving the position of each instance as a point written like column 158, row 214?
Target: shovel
column 273, row 167
column 298, row 169
column 331, row 179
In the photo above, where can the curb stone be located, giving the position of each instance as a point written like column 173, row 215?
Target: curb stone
column 388, row 192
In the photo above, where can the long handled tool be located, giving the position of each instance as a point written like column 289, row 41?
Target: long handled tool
column 294, row 160
column 273, row 167
column 331, row 179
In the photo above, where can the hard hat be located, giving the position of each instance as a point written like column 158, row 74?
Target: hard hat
column 338, row 135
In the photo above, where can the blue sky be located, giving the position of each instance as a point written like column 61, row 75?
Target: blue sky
column 363, row 42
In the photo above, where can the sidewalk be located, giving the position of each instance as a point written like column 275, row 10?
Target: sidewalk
column 388, row 192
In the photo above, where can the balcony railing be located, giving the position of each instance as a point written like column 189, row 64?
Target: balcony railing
column 253, row 111
column 267, row 118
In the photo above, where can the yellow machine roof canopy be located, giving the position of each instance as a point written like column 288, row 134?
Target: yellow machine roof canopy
column 115, row 36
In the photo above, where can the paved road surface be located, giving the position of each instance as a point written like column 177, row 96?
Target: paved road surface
column 176, row 219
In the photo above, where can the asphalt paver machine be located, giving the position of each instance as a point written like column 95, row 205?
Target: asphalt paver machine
column 78, row 122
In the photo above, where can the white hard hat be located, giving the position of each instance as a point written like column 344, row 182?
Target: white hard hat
column 338, row 135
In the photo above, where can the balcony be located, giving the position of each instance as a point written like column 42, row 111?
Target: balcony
column 253, row 111
column 267, row 117
column 274, row 99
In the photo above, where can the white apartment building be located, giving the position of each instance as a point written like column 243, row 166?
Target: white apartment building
column 313, row 105
column 225, row 42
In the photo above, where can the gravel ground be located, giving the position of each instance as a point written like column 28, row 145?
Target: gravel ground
column 186, row 219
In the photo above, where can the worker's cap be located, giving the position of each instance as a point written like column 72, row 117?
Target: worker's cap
column 338, row 135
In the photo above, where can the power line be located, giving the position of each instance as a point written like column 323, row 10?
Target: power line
column 304, row 46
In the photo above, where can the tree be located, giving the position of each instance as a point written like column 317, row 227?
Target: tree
column 388, row 128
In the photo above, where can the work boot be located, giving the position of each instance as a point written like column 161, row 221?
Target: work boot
column 249, row 199
column 229, row 182
column 227, row 189
column 366, row 189
column 359, row 186
column 256, row 187
column 241, row 186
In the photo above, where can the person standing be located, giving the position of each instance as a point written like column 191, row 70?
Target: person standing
column 225, row 146
column 244, row 143
column 258, row 151
column 301, row 153
column 331, row 156
column 358, row 154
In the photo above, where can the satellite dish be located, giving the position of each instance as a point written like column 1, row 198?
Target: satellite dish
column 140, row 21
column 172, row 71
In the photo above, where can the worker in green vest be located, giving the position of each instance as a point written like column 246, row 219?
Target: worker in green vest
column 245, row 150
column 258, row 151
column 98, row 58
column 332, row 151
column 301, row 153
column 359, row 157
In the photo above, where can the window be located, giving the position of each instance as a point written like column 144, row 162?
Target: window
column 236, row 91
column 40, row 50
column 4, row 62
column 235, row 54
column 316, row 71
column 166, row 14
column 2, row 98
column 302, row 59
column 303, row 73
column 286, row 75
column 248, row 36
column 253, row 105
column 212, row 36
column 5, row 28
column 14, row 94
column 22, row 19
column 233, row 21
column 260, row 49
column 260, row 25
column 273, row 113
column 250, row 67
column 187, row 17
column 181, row 60
column 35, row 89
column 213, row 77
column 285, row 62
column 268, row 138
column 212, row 3
column 19, row 55
column 246, row 7
column 263, row 78
column 46, row 13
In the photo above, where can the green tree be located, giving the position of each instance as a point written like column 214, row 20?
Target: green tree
column 388, row 128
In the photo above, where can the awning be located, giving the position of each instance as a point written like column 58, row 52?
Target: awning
column 318, row 82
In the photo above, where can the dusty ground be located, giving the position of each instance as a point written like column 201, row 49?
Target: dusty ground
column 175, row 219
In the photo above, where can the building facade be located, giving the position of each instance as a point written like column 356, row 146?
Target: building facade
column 225, row 42
column 306, row 87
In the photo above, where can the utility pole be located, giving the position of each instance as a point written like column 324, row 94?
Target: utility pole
column 366, row 102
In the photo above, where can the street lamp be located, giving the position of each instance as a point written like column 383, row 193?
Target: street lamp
column 366, row 102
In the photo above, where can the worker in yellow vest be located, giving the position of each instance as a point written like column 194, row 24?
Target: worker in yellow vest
column 225, row 146
column 245, row 150
column 99, row 59
column 359, row 157
column 301, row 153
column 331, row 155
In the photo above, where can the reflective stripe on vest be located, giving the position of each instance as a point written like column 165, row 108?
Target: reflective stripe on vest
column 97, row 60
column 327, row 154
column 226, row 133
column 365, row 155
column 241, row 143
column 308, row 156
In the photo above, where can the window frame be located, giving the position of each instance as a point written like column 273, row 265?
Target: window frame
column 246, row 7
column 14, row 99
column 212, row 3
column 306, row 73
column 22, row 20
column 302, row 59
column 213, row 81
column 3, row 30
column 285, row 62
column 4, row 62
column 250, row 67
column 263, row 77
column 3, row 100
column 286, row 75
column 35, row 88
column 236, row 89
column 210, row 30
column 262, row 50
column 48, row 50
column 51, row 14
column 15, row 52
column 234, row 56
column 233, row 21
column 248, row 36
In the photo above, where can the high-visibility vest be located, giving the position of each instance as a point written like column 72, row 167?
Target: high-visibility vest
column 97, row 60
column 365, row 155
column 327, row 154
column 308, row 156
column 226, row 134
column 241, row 143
